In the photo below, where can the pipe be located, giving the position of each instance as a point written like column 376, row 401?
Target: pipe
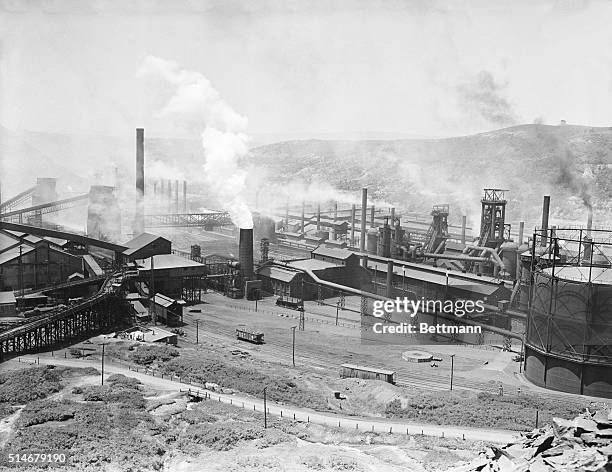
column 494, row 256
column 364, row 215
column 353, row 225
column 463, row 226
column 431, row 255
column 545, row 215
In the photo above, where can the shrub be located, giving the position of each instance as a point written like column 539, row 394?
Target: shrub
column 43, row 411
column 146, row 355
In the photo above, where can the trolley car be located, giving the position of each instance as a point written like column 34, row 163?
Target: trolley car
column 372, row 373
column 254, row 337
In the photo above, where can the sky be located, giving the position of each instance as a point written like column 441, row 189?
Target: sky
column 302, row 69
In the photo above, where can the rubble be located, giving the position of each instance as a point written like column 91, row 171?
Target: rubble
column 583, row 444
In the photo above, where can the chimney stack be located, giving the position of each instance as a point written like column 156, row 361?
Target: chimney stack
column 245, row 253
column 303, row 217
column 589, row 221
column 353, row 225
column 185, row 196
column 364, row 217
column 545, row 214
column 139, row 217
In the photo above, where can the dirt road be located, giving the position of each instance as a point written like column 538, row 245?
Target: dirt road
column 292, row 412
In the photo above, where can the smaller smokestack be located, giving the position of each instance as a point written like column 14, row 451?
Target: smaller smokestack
column 589, row 221
column 318, row 216
column 364, row 215
column 463, row 228
column 287, row 214
column 545, row 214
column 521, row 232
column 185, row 196
column 303, row 215
column 392, row 216
column 335, row 211
column 372, row 217
column 176, row 196
column 353, row 225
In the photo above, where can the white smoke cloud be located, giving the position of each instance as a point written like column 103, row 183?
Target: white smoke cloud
column 198, row 104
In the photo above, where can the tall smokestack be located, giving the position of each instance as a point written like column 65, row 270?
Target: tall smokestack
column 185, row 196
column 353, row 225
column 335, row 211
column 521, row 232
column 463, row 228
column 139, row 217
column 364, row 217
column 318, row 216
column 545, row 214
column 372, row 217
column 176, row 197
column 245, row 253
column 392, row 216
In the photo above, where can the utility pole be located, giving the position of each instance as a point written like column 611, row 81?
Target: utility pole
column 102, row 380
column 197, row 331
column 293, row 350
column 152, row 312
column 265, row 409
column 337, row 310
column 452, row 370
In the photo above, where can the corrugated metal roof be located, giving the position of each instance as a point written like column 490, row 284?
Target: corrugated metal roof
column 312, row 264
column 13, row 253
column 368, row 369
column 167, row 261
column 140, row 241
column 138, row 307
column 7, row 297
column 334, row 252
column 162, row 300
column 93, row 265
column 278, row 273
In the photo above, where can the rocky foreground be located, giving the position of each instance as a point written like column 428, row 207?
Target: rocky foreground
column 583, row 444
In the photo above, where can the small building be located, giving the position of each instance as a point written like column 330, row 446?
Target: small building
column 280, row 281
column 8, row 304
column 152, row 335
column 174, row 276
column 146, row 245
column 139, row 311
column 167, row 310
column 336, row 255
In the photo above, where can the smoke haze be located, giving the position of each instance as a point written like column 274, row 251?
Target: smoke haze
column 197, row 104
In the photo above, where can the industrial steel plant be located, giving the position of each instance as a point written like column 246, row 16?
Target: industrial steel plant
column 546, row 291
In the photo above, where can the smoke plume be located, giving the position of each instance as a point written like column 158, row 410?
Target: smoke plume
column 198, row 104
column 577, row 185
column 484, row 97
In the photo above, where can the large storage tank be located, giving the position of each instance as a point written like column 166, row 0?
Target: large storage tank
column 569, row 331
column 508, row 256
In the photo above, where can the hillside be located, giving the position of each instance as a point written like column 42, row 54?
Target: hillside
column 528, row 160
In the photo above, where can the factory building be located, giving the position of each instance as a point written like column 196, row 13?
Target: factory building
column 146, row 245
column 174, row 276
column 338, row 256
column 27, row 261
